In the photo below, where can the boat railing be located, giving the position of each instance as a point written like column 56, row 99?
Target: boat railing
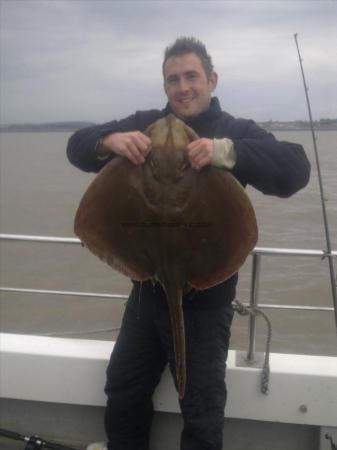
column 257, row 254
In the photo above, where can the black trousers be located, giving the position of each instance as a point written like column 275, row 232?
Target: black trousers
column 142, row 349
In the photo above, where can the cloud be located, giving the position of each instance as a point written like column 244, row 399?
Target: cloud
column 83, row 60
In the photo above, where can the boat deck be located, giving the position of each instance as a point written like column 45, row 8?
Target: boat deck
column 298, row 411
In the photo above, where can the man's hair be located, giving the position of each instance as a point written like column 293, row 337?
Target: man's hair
column 184, row 45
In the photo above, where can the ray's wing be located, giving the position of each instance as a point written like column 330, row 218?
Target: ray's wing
column 220, row 229
column 110, row 218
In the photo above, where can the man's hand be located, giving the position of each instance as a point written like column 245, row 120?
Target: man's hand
column 200, row 152
column 133, row 145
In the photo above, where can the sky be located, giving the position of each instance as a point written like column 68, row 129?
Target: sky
column 99, row 60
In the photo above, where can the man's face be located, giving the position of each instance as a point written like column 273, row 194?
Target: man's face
column 187, row 86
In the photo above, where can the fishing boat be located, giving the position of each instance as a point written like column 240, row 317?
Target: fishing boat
column 53, row 387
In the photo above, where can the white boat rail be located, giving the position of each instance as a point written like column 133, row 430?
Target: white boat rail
column 257, row 254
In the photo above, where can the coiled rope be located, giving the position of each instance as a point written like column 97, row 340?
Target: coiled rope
column 245, row 310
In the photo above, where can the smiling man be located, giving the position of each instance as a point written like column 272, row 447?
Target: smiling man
column 187, row 85
column 144, row 345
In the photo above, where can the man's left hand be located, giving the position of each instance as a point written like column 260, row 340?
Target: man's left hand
column 200, row 152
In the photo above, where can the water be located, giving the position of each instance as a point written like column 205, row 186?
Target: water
column 40, row 192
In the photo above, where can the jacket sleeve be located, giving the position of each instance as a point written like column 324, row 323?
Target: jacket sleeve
column 273, row 167
column 82, row 144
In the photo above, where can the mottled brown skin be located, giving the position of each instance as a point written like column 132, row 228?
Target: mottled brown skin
column 165, row 221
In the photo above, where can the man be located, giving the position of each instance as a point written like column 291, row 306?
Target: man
column 144, row 344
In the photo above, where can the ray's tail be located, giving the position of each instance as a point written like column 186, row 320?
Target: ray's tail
column 174, row 293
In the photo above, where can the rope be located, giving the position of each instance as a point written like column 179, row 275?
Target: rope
column 245, row 310
column 79, row 333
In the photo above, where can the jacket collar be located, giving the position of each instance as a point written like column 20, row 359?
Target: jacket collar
column 210, row 114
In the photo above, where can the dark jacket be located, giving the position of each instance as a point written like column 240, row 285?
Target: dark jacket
column 273, row 167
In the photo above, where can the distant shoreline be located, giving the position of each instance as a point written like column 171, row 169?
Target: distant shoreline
column 45, row 127
column 300, row 125
column 321, row 125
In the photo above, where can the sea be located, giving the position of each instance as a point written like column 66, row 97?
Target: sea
column 39, row 194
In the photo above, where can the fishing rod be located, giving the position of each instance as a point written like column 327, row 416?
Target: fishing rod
column 329, row 438
column 321, row 190
column 33, row 442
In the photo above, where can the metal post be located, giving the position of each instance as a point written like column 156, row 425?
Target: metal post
column 253, row 302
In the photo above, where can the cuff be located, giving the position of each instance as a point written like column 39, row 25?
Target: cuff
column 224, row 155
column 102, row 156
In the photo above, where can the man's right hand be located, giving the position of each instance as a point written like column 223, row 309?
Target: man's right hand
column 133, row 145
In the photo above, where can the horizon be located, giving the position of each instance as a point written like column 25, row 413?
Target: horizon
column 89, row 122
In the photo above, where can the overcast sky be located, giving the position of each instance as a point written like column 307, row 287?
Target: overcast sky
column 98, row 60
